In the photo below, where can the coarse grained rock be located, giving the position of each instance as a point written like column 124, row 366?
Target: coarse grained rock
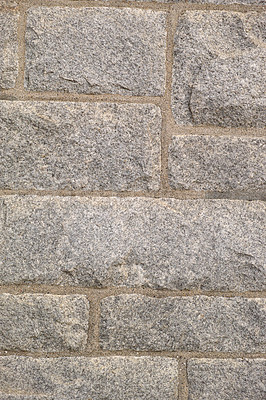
column 8, row 3
column 24, row 397
column 226, row 379
column 218, row 73
column 231, row 91
column 244, row 2
column 8, row 49
column 81, row 378
column 43, row 322
column 82, row 146
column 5, row 396
column 198, row 323
column 96, row 50
column 133, row 242
column 221, row 163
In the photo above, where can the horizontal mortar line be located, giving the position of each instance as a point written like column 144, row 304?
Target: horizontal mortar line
column 163, row 7
column 19, row 95
column 95, row 294
column 141, row 5
column 86, row 193
column 213, row 130
column 133, row 353
column 161, row 194
column 149, row 5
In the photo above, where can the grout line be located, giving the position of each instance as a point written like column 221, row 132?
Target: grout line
column 182, row 379
column 97, row 294
column 28, row 95
column 166, row 102
column 186, row 355
column 140, row 4
column 163, row 193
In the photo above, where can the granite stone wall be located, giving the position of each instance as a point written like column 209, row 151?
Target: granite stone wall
column 132, row 189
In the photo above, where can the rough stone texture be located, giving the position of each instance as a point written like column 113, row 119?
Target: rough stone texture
column 219, row 69
column 197, row 323
column 227, row 379
column 96, row 50
column 246, row 2
column 217, row 163
column 24, row 397
column 79, row 378
column 8, row 50
column 43, row 322
column 158, row 243
column 259, row 2
column 8, row 3
column 62, row 145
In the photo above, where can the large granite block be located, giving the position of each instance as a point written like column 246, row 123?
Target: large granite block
column 96, row 50
column 43, row 322
column 219, row 69
column 82, row 146
column 133, row 242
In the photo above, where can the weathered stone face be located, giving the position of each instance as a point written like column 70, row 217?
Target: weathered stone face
column 65, row 145
column 226, row 379
column 43, row 322
column 8, row 50
column 8, row 3
column 114, row 48
column 244, row 2
column 80, row 378
column 218, row 75
column 198, row 323
column 217, row 163
column 141, row 242
column 231, row 91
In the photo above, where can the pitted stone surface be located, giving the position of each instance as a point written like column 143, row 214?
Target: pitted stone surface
column 24, row 397
column 244, row 2
column 217, row 163
column 197, row 323
column 96, row 50
column 43, row 322
column 141, row 242
column 8, row 50
column 80, row 378
column 227, row 379
column 219, row 69
column 64, row 145
column 8, row 3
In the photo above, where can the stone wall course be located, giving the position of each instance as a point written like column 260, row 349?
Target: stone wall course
column 198, row 323
column 80, row 378
column 133, row 242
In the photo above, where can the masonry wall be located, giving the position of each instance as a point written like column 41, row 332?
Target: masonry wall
column 132, row 185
